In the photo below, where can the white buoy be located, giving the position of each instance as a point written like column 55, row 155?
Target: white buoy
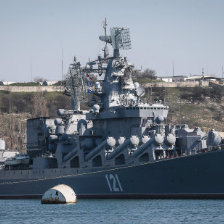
column 59, row 194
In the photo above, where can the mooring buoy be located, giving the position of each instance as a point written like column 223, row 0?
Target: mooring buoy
column 59, row 194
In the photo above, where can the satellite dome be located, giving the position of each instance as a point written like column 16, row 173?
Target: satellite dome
column 158, row 139
column 134, row 140
column 96, row 108
column 140, row 90
column 170, row 139
column 121, row 140
column 145, row 138
column 111, row 141
column 58, row 121
column 136, row 84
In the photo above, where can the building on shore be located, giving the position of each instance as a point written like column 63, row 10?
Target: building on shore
column 202, row 77
column 175, row 78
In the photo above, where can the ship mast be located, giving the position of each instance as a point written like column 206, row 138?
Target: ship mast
column 105, row 50
column 74, row 84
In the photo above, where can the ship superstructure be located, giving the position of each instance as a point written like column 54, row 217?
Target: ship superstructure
column 121, row 147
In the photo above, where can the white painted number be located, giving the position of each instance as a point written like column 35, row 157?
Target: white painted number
column 113, row 182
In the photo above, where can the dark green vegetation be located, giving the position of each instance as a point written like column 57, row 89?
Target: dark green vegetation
column 16, row 108
column 33, row 83
column 36, row 104
column 145, row 76
column 198, row 106
column 24, row 84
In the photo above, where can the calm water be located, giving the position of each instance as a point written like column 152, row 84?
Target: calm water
column 113, row 211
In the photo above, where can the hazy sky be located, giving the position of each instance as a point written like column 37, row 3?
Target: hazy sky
column 33, row 33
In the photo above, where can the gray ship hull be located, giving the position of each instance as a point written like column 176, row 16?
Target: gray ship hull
column 195, row 176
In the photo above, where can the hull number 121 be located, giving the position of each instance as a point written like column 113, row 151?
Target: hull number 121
column 113, row 182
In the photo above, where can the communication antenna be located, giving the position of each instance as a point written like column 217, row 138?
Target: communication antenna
column 173, row 69
column 31, row 72
column 222, row 72
column 105, row 27
column 62, row 67
column 105, row 50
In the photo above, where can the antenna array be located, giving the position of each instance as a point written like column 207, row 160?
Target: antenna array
column 120, row 38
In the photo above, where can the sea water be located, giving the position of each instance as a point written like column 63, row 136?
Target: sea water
column 113, row 211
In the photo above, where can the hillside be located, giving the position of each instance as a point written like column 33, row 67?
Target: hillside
column 198, row 106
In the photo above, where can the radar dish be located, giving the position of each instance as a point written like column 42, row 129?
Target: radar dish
column 140, row 91
column 120, row 38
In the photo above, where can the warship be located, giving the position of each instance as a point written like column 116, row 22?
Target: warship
column 122, row 147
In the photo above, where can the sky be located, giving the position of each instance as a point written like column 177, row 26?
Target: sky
column 35, row 35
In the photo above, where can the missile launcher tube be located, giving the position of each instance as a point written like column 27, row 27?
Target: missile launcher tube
column 96, row 150
column 142, row 148
column 70, row 155
column 118, row 149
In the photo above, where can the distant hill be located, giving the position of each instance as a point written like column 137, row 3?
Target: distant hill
column 196, row 106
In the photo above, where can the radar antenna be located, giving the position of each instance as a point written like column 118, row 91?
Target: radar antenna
column 119, row 39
